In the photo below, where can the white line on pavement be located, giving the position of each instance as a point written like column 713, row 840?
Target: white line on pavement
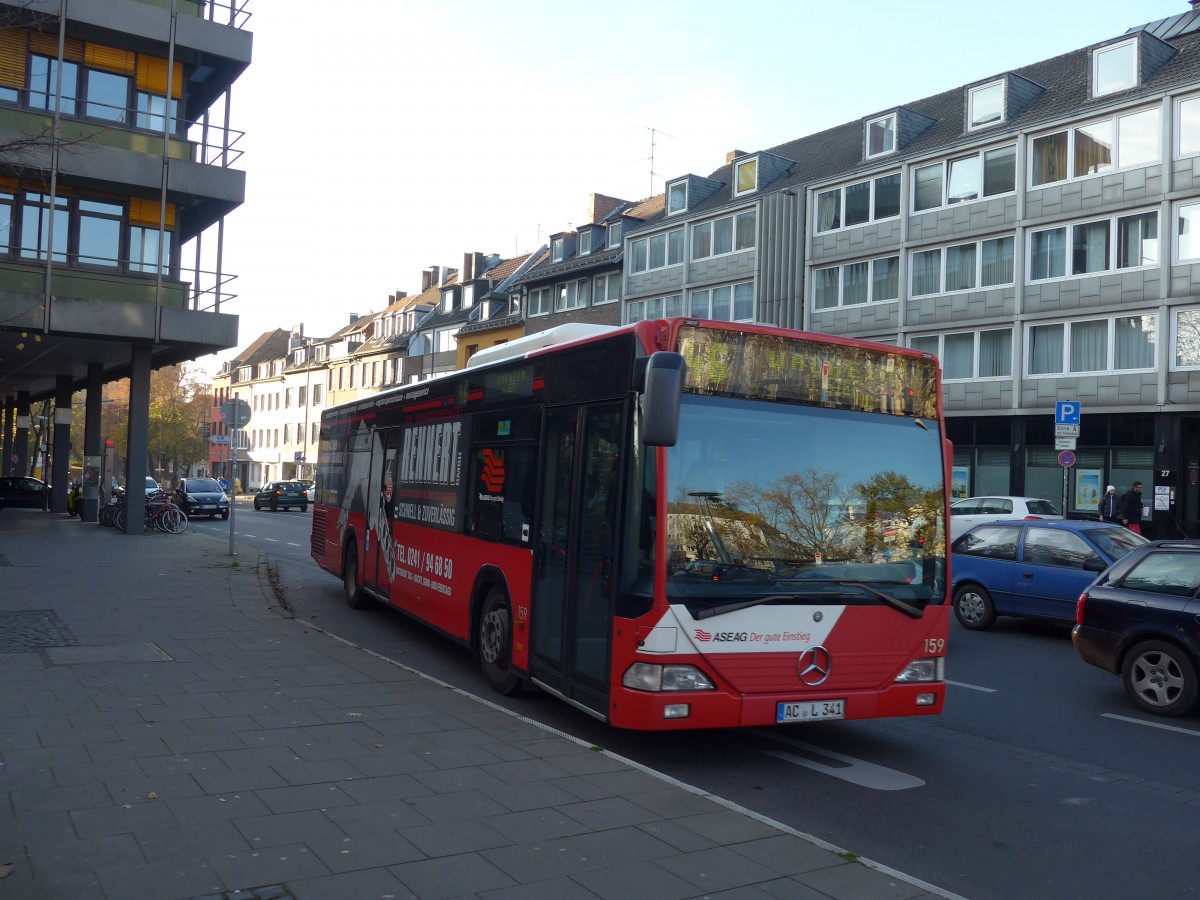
column 1161, row 725
column 973, row 687
column 848, row 768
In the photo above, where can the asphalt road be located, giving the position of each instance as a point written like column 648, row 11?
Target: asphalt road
column 1040, row 780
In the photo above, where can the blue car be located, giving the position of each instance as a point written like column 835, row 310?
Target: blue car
column 1035, row 569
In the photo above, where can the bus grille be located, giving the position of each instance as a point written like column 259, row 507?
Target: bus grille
column 318, row 533
column 773, row 672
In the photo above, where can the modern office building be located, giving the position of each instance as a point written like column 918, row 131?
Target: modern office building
column 117, row 167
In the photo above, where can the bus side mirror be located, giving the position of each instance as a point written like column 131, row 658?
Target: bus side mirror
column 661, row 394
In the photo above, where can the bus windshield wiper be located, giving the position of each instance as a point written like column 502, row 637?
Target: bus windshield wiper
column 908, row 609
column 759, row 601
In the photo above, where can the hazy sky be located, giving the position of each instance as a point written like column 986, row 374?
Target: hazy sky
column 405, row 133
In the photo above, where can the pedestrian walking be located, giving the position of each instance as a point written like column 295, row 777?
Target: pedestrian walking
column 1110, row 505
column 1130, row 508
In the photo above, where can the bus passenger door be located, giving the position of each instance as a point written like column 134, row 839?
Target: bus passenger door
column 571, row 615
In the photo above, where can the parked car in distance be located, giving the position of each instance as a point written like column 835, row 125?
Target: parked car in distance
column 1031, row 568
column 965, row 514
column 202, row 496
column 152, row 487
column 1141, row 620
column 277, row 495
column 22, row 491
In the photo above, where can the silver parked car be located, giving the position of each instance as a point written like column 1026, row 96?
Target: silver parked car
column 965, row 514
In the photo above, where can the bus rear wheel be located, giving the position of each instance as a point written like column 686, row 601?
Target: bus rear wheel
column 495, row 644
column 355, row 598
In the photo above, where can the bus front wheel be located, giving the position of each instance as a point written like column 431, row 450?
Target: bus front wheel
column 495, row 644
column 355, row 598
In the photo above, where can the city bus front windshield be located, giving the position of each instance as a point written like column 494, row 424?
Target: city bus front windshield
column 782, row 503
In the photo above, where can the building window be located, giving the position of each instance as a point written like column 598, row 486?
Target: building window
column 745, row 176
column 614, row 235
column 881, row 136
column 859, row 203
column 984, row 174
column 152, row 111
column 606, row 289
column 1114, row 68
column 962, row 267
column 43, row 83
column 7, row 205
column 35, row 227
column 971, row 354
column 676, row 197
column 1187, row 126
column 985, row 105
column 657, row 308
column 1186, row 340
column 146, row 252
column 724, row 235
column 573, row 295
column 585, row 243
column 557, row 249
column 656, row 251
column 539, row 302
column 727, row 303
column 1116, row 344
column 107, row 96
column 856, row 283
column 100, row 233
column 1120, row 142
column 1092, row 247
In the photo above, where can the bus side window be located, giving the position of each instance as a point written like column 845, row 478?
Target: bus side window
column 501, row 496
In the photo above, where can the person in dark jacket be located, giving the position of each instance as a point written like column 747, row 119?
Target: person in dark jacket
column 1110, row 505
column 1130, row 508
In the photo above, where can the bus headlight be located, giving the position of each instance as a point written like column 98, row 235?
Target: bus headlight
column 651, row 677
column 923, row 670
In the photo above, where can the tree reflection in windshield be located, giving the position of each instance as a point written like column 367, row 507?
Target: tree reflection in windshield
column 762, row 496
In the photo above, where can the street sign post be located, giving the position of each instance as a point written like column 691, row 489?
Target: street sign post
column 1067, row 414
column 235, row 412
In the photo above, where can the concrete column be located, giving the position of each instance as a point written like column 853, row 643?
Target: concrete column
column 21, row 450
column 60, row 461
column 6, row 444
column 93, row 411
column 138, row 439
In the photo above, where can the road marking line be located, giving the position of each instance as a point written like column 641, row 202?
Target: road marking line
column 973, row 687
column 848, row 768
column 1161, row 725
column 290, row 544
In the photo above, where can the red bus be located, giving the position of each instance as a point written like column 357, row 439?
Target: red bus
column 673, row 524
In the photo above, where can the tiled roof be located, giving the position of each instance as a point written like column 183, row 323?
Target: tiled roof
column 602, row 259
column 269, row 345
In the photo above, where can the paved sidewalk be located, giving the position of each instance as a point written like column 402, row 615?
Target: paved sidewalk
column 167, row 732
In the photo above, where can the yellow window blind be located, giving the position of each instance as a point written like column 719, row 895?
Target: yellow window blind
column 47, row 45
column 145, row 212
column 8, row 184
column 152, row 76
column 12, row 57
column 109, row 59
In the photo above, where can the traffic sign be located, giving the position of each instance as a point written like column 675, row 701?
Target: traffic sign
column 1064, row 443
column 1066, row 412
column 235, row 413
column 1066, row 459
column 298, row 457
column 219, row 439
column 1066, row 431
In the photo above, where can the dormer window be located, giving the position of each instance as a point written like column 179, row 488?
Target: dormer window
column 676, row 197
column 745, row 177
column 1114, row 68
column 558, row 248
column 585, row 243
column 985, row 105
column 614, row 234
column 881, row 136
